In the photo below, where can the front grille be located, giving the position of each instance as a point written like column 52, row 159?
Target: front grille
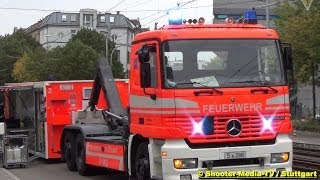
column 233, row 162
column 251, row 130
column 230, row 144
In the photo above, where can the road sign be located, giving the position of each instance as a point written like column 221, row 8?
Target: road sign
column 307, row 4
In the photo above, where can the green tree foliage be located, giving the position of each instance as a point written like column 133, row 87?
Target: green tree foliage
column 75, row 61
column 98, row 42
column 301, row 29
column 11, row 48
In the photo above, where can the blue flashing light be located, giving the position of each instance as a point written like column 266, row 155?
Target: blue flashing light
column 175, row 17
column 251, row 16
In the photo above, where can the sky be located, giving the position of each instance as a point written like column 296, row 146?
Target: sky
column 11, row 18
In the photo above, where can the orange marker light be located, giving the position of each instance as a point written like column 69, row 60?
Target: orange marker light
column 164, row 153
column 177, row 163
column 285, row 157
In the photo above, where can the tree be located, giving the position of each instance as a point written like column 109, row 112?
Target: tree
column 34, row 66
column 11, row 48
column 97, row 41
column 300, row 28
column 77, row 61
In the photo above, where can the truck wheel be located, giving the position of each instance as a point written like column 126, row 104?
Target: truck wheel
column 69, row 151
column 83, row 169
column 142, row 164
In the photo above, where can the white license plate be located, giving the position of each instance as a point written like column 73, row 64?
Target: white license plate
column 235, row 155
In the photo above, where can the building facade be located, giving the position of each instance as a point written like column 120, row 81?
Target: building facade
column 236, row 8
column 58, row 28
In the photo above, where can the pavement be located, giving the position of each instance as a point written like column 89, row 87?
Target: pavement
column 7, row 175
column 55, row 170
column 307, row 138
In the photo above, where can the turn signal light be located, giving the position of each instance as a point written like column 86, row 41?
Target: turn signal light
column 178, row 164
column 279, row 157
column 164, row 154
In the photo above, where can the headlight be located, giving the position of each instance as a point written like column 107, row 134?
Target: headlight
column 279, row 157
column 185, row 163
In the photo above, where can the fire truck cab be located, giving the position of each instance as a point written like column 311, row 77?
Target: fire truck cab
column 202, row 96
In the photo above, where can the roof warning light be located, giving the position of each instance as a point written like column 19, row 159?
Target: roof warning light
column 251, row 17
column 175, row 17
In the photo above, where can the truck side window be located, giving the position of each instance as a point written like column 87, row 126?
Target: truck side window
column 153, row 68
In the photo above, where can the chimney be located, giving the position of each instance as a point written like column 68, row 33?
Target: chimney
column 15, row 29
column 118, row 12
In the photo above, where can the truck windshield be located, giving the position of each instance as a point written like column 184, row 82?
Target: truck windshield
column 222, row 63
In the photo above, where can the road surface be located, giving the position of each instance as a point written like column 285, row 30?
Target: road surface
column 53, row 170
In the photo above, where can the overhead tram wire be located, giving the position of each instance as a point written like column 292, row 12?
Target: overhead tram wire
column 167, row 11
column 116, row 5
column 183, row 4
column 135, row 4
column 132, row 11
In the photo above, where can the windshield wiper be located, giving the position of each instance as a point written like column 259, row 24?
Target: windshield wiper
column 257, row 82
column 203, row 85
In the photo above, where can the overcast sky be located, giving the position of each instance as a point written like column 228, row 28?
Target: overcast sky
column 24, row 18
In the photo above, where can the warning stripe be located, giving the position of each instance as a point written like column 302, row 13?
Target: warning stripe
column 103, row 159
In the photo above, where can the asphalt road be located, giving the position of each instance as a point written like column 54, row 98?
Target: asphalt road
column 54, row 170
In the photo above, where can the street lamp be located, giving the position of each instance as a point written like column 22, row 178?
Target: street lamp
column 115, row 48
column 267, row 10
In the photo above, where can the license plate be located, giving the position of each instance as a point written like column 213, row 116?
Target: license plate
column 235, row 155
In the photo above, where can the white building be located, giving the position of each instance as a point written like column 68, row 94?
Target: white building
column 57, row 29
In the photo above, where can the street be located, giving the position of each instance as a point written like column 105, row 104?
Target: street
column 53, row 170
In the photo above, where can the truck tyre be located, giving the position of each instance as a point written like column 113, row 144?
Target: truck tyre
column 83, row 169
column 142, row 165
column 69, row 151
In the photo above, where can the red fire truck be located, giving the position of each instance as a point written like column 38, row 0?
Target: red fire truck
column 202, row 96
column 42, row 109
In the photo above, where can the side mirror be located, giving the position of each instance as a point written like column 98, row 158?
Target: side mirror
column 145, row 75
column 287, row 54
column 169, row 73
column 143, row 53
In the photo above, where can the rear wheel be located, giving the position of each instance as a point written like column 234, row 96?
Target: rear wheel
column 69, row 151
column 142, row 165
column 83, row 169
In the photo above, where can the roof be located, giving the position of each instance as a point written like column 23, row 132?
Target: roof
column 239, row 11
column 55, row 19
column 208, row 31
column 17, row 86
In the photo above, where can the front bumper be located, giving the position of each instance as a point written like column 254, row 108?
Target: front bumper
column 177, row 149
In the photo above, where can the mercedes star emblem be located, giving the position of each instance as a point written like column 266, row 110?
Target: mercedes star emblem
column 234, row 127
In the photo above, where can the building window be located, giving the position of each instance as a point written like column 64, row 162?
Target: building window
column 73, row 17
column 102, row 19
column 222, row 16
column 128, row 57
column 272, row 17
column 73, row 33
column 88, row 20
column 60, row 35
column 64, row 17
column 103, row 32
column 118, row 54
column 261, row 17
column 111, row 19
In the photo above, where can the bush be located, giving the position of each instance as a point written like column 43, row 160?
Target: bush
column 310, row 125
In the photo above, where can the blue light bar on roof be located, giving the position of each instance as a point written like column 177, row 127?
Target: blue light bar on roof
column 175, row 17
column 251, row 16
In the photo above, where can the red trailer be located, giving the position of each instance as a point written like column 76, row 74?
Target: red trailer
column 42, row 109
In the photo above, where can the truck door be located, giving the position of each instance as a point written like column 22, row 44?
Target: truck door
column 39, row 124
column 146, row 104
